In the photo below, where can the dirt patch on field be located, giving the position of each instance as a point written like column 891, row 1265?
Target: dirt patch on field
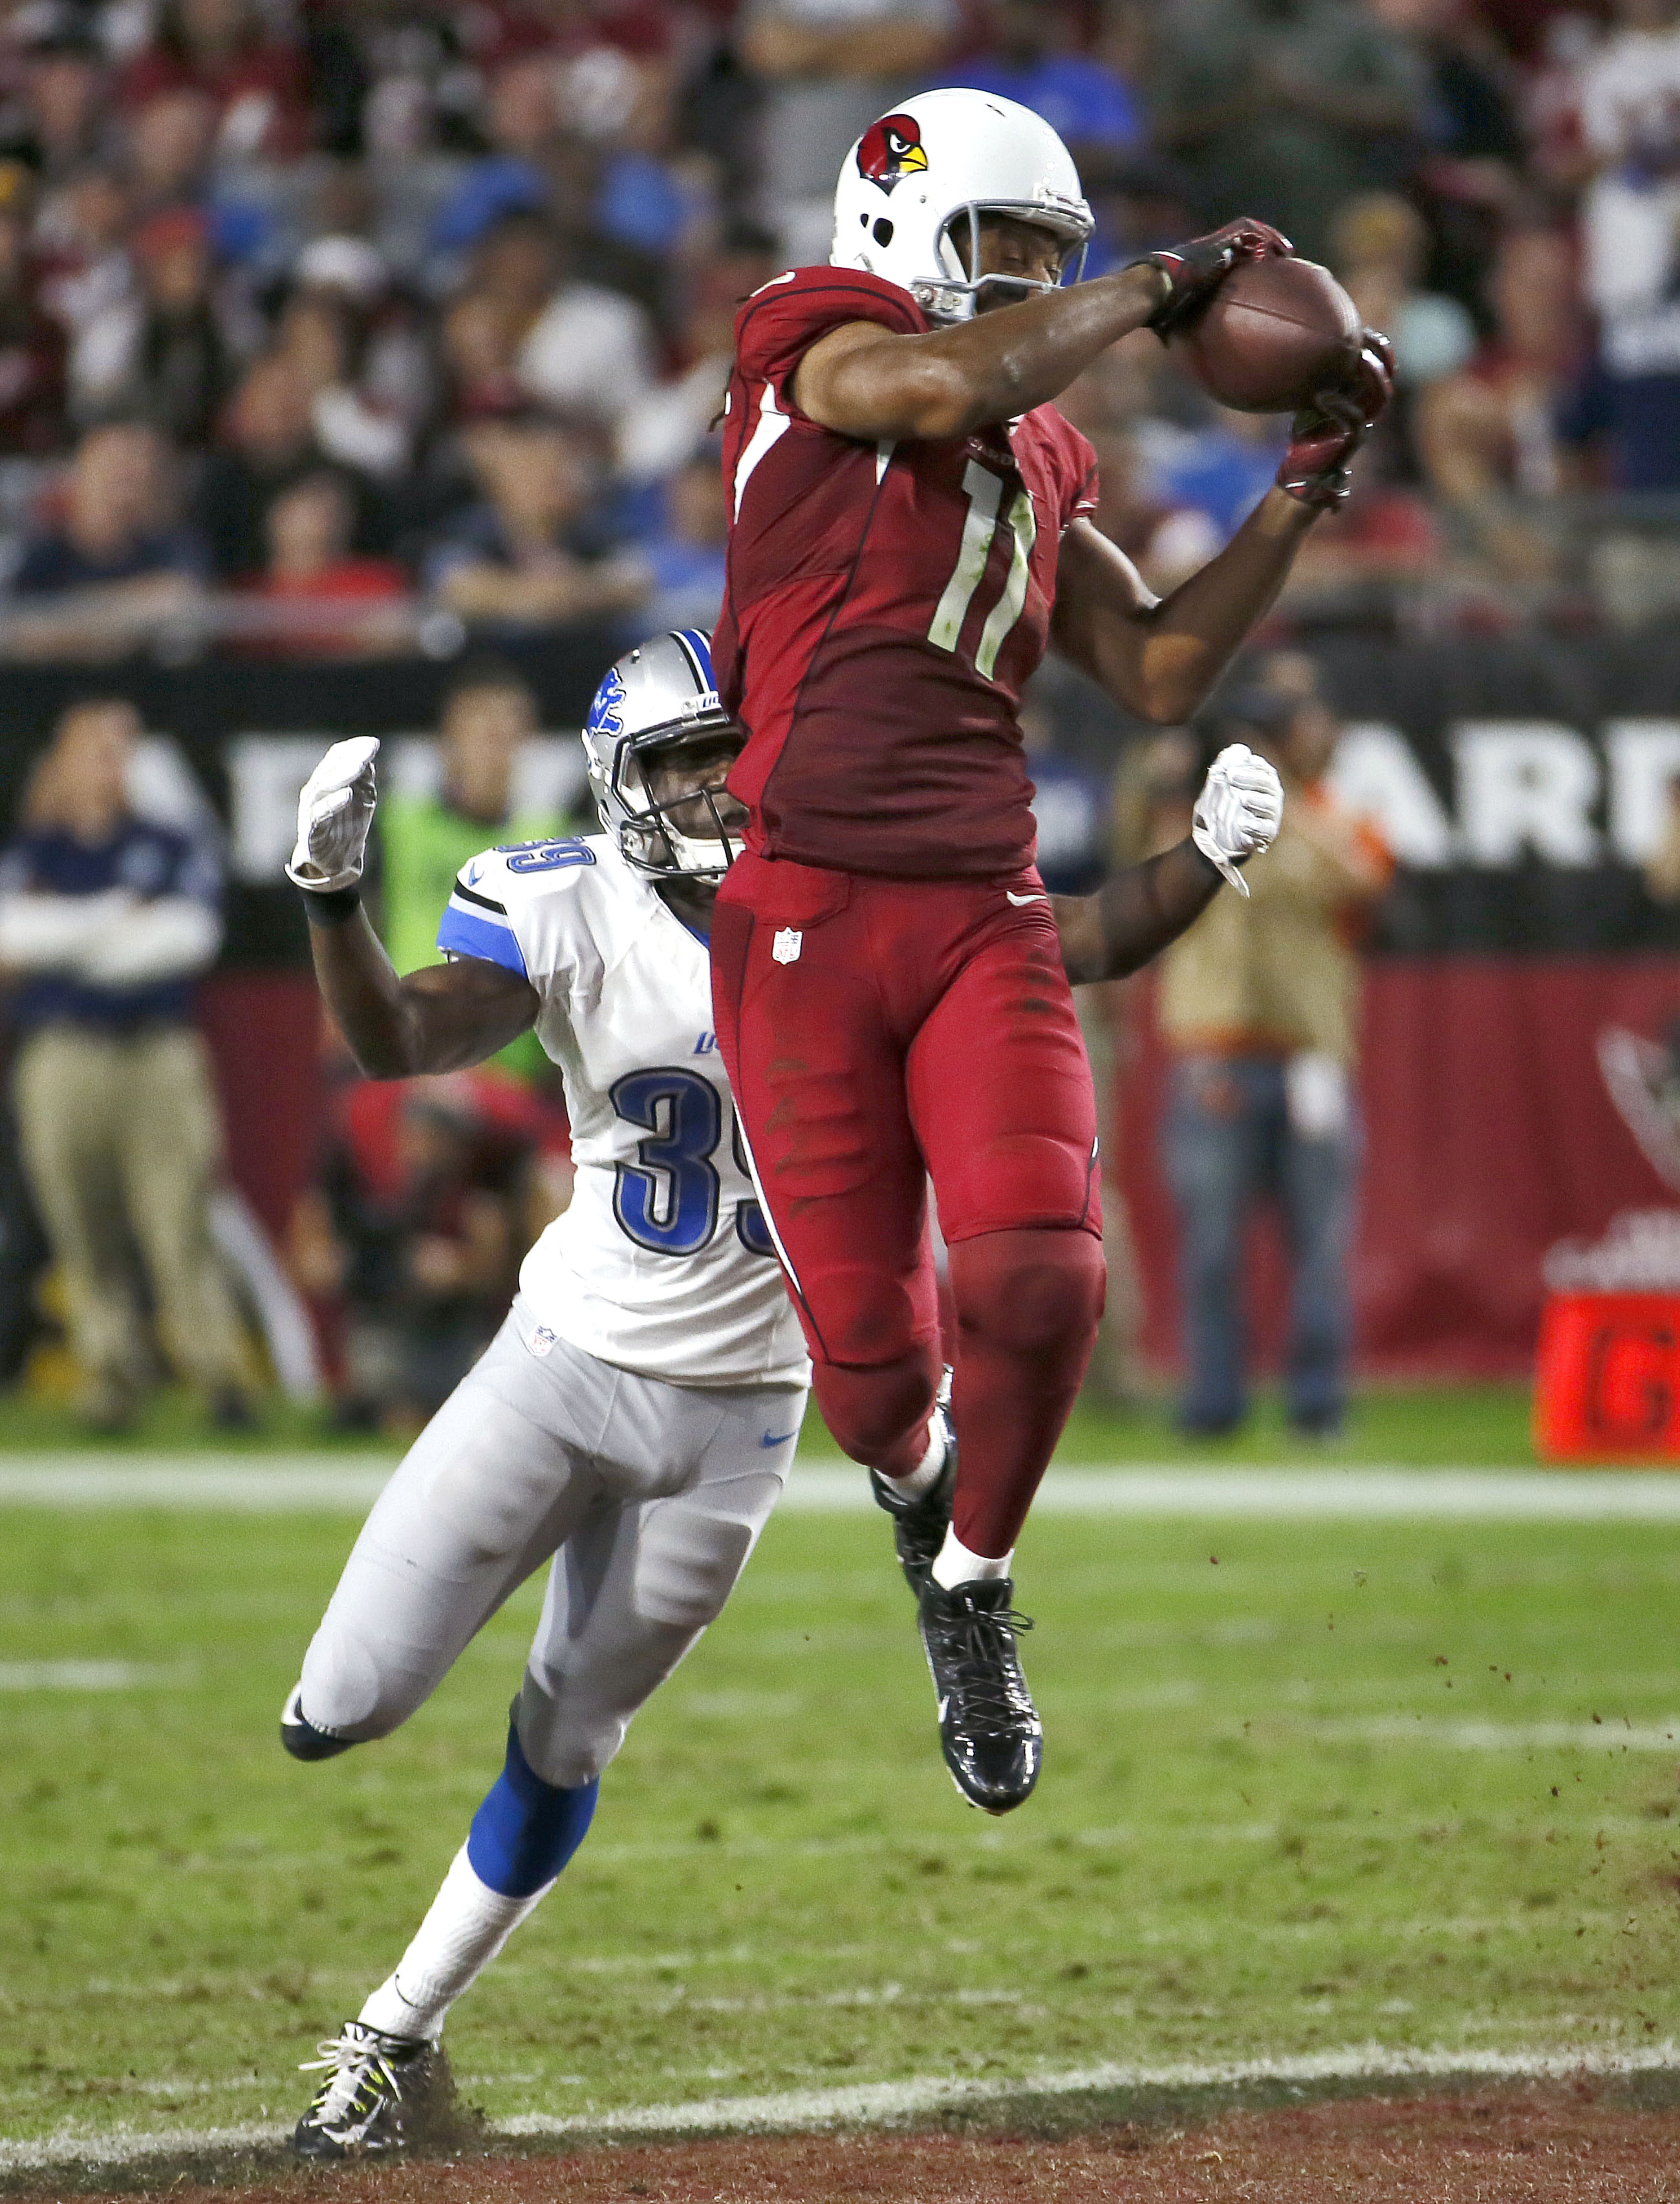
column 1556, row 2144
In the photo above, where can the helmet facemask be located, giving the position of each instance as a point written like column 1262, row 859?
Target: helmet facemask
column 657, row 835
column 959, row 298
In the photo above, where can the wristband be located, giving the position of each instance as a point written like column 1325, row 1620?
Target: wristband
column 330, row 906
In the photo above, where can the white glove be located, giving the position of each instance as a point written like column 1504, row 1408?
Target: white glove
column 334, row 813
column 1239, row 811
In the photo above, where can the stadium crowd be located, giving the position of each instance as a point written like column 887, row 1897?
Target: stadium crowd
column 340, row 328
column 343, row 326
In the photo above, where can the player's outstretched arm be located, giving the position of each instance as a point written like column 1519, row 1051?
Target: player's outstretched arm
column 441, row 1019
column 1133, row 915
column 872, row 383
column 1160, row 657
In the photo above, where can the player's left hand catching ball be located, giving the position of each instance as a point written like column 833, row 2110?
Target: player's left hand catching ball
column 334, row 813
column 1239, row 811
column 1325, row 434
column 1195, row 270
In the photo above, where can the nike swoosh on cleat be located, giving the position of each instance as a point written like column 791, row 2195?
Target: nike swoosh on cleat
column 1019, row 900
column 779, row 1438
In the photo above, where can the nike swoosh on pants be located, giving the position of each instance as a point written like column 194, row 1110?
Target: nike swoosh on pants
column 1019, row 900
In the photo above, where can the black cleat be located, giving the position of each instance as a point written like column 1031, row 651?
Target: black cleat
column 302, row 1740
column 920, row 1525
column 988, row 1728
column 376, row 2098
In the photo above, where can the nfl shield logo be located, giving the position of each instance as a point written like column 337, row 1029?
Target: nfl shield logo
column 542, row 1341
column 786, row 946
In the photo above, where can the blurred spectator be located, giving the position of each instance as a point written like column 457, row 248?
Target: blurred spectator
column 413, row 1232
column 164, row 354
column 524, row 326
column 1036, row 59
column 488, row 716
column 269, row 444
column 1257, row 1005
column 115, row 554
column 1662, row 867
column 32, row 342
column 1468, row 165
column 520, row 120
column 325, row 338
column 666, row 426
column 388, row 347
column 327, row 603
column 60, row 120
column 80, row 235
column 1378, row 248
column 1631, row 234
column 685, row 554
column 1285, row 108
column 1142, row 460
column 523, row 556
column 105, row 919
column 510, row 279
column 1487, row 436
column 170, row 140
column 589, row 351
column 830, row 67
column 252, row 85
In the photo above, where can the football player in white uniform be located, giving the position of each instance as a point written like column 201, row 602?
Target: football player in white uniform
column 634, row 1420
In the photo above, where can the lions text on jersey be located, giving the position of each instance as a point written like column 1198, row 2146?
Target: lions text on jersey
column 662, row 1264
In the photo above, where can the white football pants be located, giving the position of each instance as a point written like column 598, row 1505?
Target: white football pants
column 648, row 1498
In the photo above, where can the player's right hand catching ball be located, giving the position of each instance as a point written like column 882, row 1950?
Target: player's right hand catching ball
column 1194, row 271
column 1239, row 811
column 334, row 813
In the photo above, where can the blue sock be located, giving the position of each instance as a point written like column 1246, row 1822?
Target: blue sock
column 526, row 1830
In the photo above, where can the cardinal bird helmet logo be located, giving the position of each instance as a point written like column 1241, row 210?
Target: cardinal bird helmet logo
column 890, row 150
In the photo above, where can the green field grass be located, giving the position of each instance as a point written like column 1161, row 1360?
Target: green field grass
column 1304, row 1788
column 1422, row 1425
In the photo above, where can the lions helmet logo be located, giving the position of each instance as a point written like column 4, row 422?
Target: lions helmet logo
column 605, row 716
column 890, row 150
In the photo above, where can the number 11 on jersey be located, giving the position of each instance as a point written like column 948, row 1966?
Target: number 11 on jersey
column 984, row 493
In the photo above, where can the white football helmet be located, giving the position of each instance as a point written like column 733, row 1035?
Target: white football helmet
column 652, row 701
column 942, row 160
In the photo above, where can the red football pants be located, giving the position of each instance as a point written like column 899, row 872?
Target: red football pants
column 879, row 1033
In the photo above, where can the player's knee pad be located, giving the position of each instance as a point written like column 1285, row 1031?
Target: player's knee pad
column 869, row 1412
column 526, row 1830
column 355, row 1687
column 1032, row 1291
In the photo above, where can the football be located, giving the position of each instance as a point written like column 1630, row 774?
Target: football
column 1276, row 330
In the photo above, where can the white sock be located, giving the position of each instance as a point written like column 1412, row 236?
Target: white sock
column 926, row 1475
column 467, row 1926
column 955, row 1565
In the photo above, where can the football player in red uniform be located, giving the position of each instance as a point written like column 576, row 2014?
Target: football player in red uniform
column 910, row 528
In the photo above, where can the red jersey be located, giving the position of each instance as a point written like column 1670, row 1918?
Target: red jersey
column 884, row 604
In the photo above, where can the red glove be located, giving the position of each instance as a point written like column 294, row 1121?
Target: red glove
column 1325, row 434
column 1196, row 270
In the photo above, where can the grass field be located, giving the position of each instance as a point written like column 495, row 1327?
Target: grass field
column 1486, row 1424
column 1408, row 1784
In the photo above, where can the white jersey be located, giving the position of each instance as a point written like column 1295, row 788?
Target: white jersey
column 662, row 1264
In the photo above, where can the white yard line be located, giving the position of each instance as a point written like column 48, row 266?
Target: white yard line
column 1502, row 1737
column 90, row 1676
column 875, row 2104
column 320, row 1484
